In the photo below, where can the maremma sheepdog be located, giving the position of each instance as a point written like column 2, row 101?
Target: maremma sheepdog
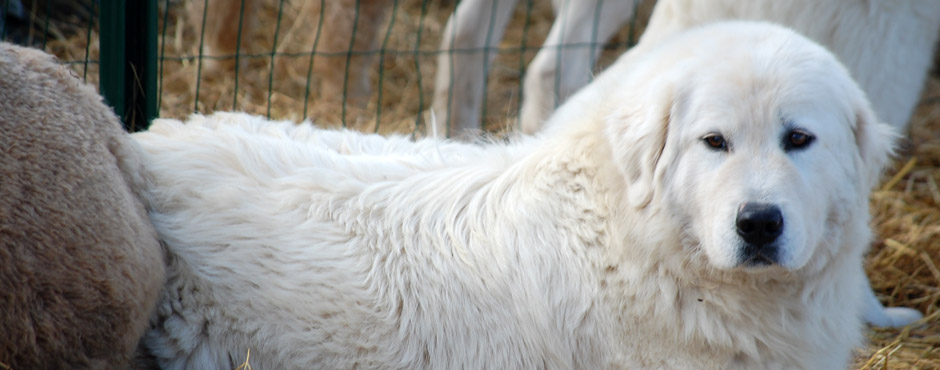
column 708, row 209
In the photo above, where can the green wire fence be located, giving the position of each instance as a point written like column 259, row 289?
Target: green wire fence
column 151, row 58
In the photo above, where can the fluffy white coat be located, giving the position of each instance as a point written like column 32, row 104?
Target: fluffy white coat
column 605, row 245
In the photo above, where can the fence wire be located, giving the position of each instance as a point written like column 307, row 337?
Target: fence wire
column 65, row 29
column 282, row 59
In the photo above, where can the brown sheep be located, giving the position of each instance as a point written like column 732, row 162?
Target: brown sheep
column 80, row 264
column 339, row 19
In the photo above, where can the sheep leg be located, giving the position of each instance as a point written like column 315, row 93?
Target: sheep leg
column 461, row 73
column 565, row 62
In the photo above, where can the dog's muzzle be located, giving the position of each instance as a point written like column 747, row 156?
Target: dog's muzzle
column 759, row 225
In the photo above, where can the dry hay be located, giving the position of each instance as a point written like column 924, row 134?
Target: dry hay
column 904, row 264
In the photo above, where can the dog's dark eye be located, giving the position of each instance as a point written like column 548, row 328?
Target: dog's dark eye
column 715, row 142
column 797, row 139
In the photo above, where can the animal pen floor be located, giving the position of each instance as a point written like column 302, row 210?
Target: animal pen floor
column 904, row 263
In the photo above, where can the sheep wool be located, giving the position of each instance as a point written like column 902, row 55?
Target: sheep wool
column 80, row 264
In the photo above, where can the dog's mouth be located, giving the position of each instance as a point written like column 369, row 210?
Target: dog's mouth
column 759, row 258
column 759, row 255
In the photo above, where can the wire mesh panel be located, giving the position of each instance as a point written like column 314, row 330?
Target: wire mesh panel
column 372, row 64
column 364, row 64
column 67, row 29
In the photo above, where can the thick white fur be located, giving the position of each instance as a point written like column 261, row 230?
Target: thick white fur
column 602, row 246
column 886, row 44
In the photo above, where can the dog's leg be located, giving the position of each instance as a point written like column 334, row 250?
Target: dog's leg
column 461, row 73
column 567, row 58
column 889, row 317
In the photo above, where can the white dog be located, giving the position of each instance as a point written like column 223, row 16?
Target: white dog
column 886, row 44
column 711, row 211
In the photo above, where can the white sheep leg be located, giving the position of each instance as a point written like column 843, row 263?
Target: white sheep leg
column 461, row 75
column 567, row 58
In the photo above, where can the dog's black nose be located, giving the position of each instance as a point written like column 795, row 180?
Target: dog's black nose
column 759, row 224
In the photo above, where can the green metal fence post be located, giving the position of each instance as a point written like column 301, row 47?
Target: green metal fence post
column 128, row 38
column 111, row 36
column 142, row 58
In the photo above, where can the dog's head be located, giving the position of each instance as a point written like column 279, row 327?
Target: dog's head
column 756, row 138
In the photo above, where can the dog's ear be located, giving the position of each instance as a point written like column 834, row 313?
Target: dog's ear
column 876, row 143
column 637, row 136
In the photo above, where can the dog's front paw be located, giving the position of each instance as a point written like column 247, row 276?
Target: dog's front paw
column 893, row 317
